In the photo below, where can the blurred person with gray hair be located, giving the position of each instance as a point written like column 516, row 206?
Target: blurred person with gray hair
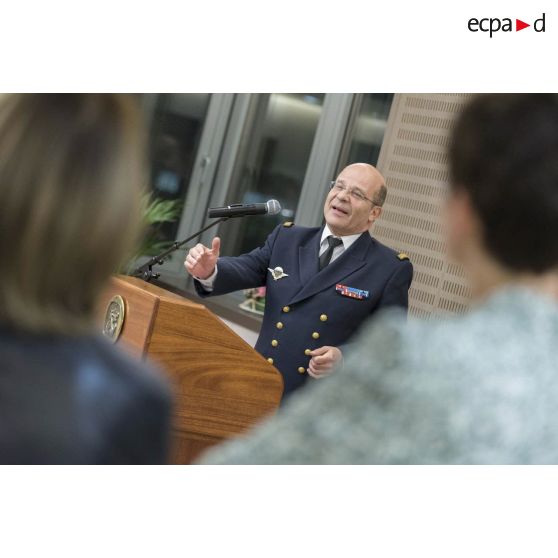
column 475, row 388
column 71, row 177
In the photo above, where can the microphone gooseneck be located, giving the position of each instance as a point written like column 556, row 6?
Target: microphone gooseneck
column 271, row 207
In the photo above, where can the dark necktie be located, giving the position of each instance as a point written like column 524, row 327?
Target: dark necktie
column 325, row 258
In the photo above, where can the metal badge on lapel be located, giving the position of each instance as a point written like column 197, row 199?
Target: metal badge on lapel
column 277, row 273
column 351, row 292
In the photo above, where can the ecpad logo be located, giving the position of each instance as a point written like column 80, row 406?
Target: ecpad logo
column 494, row 24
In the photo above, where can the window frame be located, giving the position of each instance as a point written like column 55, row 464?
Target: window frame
column 223, row 141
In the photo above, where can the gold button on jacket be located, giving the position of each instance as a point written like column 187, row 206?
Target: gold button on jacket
column 323, row 318
column 274, row 343
column 286, row 308
column 279, row 325
column 307, row 352
column 316, row 335
column 270, row 360
column 301, row 369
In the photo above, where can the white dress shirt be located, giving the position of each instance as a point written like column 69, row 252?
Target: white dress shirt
column 338, row 250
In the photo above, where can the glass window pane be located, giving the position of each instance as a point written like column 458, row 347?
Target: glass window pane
column 272, row 164
column 175, row 134
column 369, row 128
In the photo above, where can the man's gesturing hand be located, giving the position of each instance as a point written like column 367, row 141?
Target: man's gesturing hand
column 200, row 261
column 323, row 361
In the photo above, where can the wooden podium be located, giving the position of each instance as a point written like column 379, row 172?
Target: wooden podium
column 221, row 385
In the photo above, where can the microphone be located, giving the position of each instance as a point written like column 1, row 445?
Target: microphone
column 271, row 207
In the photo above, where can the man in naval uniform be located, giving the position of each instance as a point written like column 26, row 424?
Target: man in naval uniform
column 321, row 283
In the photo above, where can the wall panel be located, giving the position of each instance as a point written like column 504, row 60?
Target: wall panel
column 414, row 162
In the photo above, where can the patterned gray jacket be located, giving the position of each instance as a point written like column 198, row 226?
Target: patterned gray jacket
column 476, row 388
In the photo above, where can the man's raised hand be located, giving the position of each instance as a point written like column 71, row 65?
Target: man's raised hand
column 200, row 261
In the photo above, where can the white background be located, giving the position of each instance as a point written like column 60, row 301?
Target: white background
column 274, row 511
column 259, row 46
column 287, row 46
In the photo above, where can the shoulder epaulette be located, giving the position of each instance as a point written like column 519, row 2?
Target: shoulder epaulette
column 288, row 224
column 402, row 256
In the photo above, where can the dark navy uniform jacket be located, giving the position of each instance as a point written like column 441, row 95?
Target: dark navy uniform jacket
column 304, row 310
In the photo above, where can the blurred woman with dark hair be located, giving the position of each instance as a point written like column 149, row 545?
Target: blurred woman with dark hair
column 71, row 176
column 476, row 388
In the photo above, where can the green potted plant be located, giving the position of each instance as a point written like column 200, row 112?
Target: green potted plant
column 156, row 212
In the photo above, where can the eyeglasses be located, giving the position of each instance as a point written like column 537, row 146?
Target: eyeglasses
column 355, row 193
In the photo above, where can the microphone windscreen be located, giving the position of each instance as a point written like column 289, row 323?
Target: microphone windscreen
column 273, row 207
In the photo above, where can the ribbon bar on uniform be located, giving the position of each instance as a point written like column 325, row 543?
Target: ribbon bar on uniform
column 351, row 292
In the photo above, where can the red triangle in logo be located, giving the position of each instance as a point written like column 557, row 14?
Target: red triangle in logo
column 519, row 25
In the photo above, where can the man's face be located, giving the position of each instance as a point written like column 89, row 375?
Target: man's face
column 344, row 212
